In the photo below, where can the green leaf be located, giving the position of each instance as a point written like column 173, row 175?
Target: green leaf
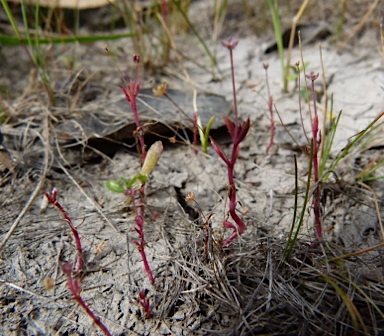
column 292, row 77
column 115, row 186
column 305, row 94
column 14, row 40
column 204, row 143
column 137, row 181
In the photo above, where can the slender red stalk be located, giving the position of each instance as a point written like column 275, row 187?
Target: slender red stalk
column 237, row 133
column 131, row 92
column 316, row 138
column 75, row 288
column 139, row 219
column 74, row 284
column 272, row 128
column 231, row 44
column 52, row 198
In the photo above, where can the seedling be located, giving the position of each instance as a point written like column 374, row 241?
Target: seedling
column 203, row 133
column 75, row 288
column 316, row 139
column 73, row 284
column 237, row 132
column 52, row 199
column 134, row 189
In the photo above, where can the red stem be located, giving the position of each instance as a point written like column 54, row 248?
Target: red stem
column 75, row 289
column 53, row 200
column 139, row 209
column 232, row 197
column 270, row 109
column 237, row 133
column 235, row 110
column 317, row 193
column 138, row 128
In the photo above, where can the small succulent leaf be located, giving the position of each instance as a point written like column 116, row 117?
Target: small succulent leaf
column 125, row 90
column 115, row 186
column 219, row 151
column 125, row 181
column 305, row 94
column 137, row 181
column 244, row 128
column 292, row 77
column 130, row 183
column 49, row 198
column 230, row 126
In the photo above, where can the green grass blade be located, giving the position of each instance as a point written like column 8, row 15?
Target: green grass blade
column 352, row 310
column 291, row 242
column 206, row 134
column 329, row 138
column 15, row 41
column 285, row 253
column 11, row 19
column 205, row 47
column 360, row 136
column 274, row 8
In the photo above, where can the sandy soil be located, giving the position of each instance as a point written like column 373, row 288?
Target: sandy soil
column 242, row 290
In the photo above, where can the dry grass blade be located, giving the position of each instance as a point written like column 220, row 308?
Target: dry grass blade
column 358, row 27
column 35, row 193
column 307, row 295
column 95, row 205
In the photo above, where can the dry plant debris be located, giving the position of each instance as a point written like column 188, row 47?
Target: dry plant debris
column 248, row 288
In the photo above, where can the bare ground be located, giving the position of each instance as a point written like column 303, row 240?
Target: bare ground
column 247, row 289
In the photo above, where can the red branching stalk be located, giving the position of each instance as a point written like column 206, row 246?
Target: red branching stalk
column 316, row 139
column 52, row 198
column 131, row 92
column 75, row 288
column 139, row 219
column 237, row 133
column 144, row 302
column 272, row 128
column 74, row 284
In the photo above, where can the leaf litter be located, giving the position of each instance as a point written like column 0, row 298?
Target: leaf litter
column 247, row 289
